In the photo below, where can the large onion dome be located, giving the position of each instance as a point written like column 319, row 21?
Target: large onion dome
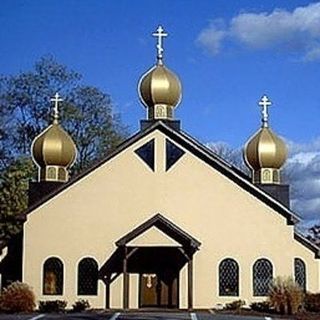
column 54, row 152
column 265, row 153
column 159, row 88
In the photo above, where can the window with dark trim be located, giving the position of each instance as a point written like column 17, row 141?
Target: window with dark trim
column 146, row 154
column 88, row 277
column 173, row 154
column 52, row 277
column 262, row 277
column 300, row 274
column 228, row 277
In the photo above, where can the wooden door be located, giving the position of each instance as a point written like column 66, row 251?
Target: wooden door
column 158, row 292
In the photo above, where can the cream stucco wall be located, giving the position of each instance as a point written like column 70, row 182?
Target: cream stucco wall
column 87, row 218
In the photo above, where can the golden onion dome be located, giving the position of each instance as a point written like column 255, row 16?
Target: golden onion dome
column 265, row 153
column 54, row 147
column 54, row 151
column 159, row 88
column 265, row 150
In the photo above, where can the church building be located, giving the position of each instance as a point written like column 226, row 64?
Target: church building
column 163, row 221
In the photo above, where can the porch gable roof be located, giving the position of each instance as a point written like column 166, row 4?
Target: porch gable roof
column 167, row 227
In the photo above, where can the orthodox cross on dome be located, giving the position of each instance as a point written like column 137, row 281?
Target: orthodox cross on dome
column 160, row 34
column 56, row 99
column 265, row 103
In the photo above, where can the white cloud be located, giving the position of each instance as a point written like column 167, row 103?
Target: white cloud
column 312, row 146
column 303, row 158
column 211, row 38
column 297, row 31
column 313, row 54
column 303, row 173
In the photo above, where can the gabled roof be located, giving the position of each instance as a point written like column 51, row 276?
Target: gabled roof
column 197, row 149
column 205, row 154
column 155, row 255
column 167, row 227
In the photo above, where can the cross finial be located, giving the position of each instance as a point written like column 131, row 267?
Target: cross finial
column 160, row 34
column 56, row 101
column 265, row 103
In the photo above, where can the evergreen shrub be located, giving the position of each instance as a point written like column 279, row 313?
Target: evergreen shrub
column 234, row 305
column 262, row 306
column 49, row 306
column 80, row 305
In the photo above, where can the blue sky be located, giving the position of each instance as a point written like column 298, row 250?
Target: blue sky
column 226, row 53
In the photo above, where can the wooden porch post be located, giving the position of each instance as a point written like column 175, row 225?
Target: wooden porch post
column 107, row 284
column 190, row 283
column 125, row 280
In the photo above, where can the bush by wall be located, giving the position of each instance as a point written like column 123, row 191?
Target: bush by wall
column 286, row 296
column 234, row 305
column 312, row 302
column 17, row 297
column 263, row 306
column 52, row 306
column 80, row 305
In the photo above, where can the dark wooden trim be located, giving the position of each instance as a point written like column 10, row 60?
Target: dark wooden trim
column 184, row 253
column 140, row 291
column 132, row 252
column 125, row 280
column 178, row 289
column 190, row 283
column 165, row 225
column 107, row 281
column 114, row 277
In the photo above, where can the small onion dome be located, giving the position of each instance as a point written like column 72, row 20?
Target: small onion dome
column 160, row 92
column 54, row 152
column 265, row 153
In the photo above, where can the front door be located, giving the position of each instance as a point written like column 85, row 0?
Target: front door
column 158, row 291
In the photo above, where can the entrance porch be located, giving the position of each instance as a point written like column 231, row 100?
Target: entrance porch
column 158, row 267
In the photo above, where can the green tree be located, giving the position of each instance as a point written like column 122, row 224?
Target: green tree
column 86, row 112
column 25, row 100
column 25, row 110
column 13, row 196
column 87, row 115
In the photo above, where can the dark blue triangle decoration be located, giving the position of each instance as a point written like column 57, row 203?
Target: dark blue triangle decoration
column 173, row 154
column 146, row 153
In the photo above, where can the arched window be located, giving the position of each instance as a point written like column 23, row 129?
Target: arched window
column 262, row 277
column 228, row 278
column 88, row 277
column 52, row 277
column 300, row 273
